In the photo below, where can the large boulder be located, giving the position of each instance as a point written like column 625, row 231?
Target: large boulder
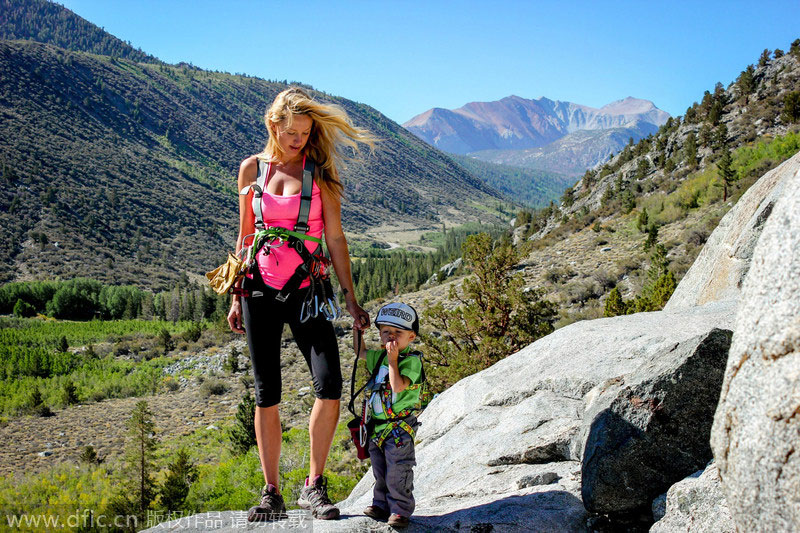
column 756, row 433
column 696, row 505
column 488, row 444
column 718, row 272
column 650, row 428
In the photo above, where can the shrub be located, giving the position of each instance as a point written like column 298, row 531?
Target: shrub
column 24, row 309
column 213, row 386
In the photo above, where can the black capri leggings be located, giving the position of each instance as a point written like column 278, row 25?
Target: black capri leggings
column 264, row 317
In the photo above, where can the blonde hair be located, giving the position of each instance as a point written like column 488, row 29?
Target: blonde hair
column 330, row 129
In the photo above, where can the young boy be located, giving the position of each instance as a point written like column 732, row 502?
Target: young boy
column 393, row 394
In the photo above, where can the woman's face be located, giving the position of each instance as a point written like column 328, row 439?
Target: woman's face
column 293, row 138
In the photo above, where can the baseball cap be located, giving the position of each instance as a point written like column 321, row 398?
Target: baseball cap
column 398, row 315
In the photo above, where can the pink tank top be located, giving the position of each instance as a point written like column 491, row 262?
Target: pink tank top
column 277, row 267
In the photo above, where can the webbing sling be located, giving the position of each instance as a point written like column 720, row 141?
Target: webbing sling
column 305, row 194
column 351, row 405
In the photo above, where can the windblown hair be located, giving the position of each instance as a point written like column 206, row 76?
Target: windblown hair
column 331, row 129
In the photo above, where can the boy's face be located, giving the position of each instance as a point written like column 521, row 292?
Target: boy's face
column 403, row 337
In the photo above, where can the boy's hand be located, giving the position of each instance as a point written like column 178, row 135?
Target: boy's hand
column 391, row 350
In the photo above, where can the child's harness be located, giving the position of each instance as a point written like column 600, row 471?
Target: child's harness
column 320, row 297
column 396, row 420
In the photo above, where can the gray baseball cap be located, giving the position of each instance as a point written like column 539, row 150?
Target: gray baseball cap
column 398, row 315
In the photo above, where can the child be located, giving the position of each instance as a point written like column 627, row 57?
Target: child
column 393, row 395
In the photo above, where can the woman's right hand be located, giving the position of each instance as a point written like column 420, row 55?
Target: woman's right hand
column 235, row 317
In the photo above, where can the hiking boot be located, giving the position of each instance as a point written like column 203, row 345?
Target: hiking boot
column 378, row 513
column 314, row 496
column 270, row 508
column 397, row 521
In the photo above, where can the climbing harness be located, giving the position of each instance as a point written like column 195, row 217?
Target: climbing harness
column 396, row 420
column 320, row 297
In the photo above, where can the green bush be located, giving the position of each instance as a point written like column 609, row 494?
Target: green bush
column 24, row 309
column 213, row 387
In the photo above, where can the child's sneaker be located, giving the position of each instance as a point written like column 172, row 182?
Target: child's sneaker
column 378, row 513
column 314, row 496
column 270, row 508
column 397, row 521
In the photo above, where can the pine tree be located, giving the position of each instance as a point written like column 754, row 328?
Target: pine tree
column 791, row 107
column 181, row 473
column 89, row 455
column 746, row 82
column 615, row 305
column 691, row 150
column 495, row 316
column 652, row 236
column 726, row 173
column 70, row 393
column 243, row 432
column 165, row 340
column 642, row 221
column 138, row 488
column 764, row 58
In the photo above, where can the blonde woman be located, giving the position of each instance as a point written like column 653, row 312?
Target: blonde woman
column 299, row 128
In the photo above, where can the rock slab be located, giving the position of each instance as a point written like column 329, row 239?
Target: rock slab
column 696, row 505
column 756, row 433
column 650, row 428
column 720, row 269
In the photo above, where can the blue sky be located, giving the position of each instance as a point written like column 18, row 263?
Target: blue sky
column 405, row 57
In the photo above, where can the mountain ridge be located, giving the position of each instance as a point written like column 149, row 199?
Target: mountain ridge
column 518, row 123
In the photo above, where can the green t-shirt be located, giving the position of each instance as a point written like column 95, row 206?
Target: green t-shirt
column 410, row 366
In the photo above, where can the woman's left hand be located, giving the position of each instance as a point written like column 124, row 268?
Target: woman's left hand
column 360, row 317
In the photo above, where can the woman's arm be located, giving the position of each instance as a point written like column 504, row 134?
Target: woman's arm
column 248, row 172
column 340, row 256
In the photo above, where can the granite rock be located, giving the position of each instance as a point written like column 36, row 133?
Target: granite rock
column 756, row 432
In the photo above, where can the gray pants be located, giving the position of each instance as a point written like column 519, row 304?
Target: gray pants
column 394, row 474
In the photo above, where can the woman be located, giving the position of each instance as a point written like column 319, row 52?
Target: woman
column 299, row 128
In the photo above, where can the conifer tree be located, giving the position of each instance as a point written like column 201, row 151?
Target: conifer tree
column 495, row 316
column 746, row 82
column 138, row 488
column 70, row 393
column 642, row 221
column 791, row 107
column 243, row 433
column 181, row 473
column 615, row 305
column 691, row 150
column 726, row 173
column 764, row 58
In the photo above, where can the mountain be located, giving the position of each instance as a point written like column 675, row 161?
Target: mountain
column 573, row 153
column 125, row 171
column 515, row 123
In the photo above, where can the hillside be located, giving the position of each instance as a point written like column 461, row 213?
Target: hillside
column 125, row 171
column 594, row 240
column 573, row 153
column 48, row 22
column 515, row 123
column 528, row 186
